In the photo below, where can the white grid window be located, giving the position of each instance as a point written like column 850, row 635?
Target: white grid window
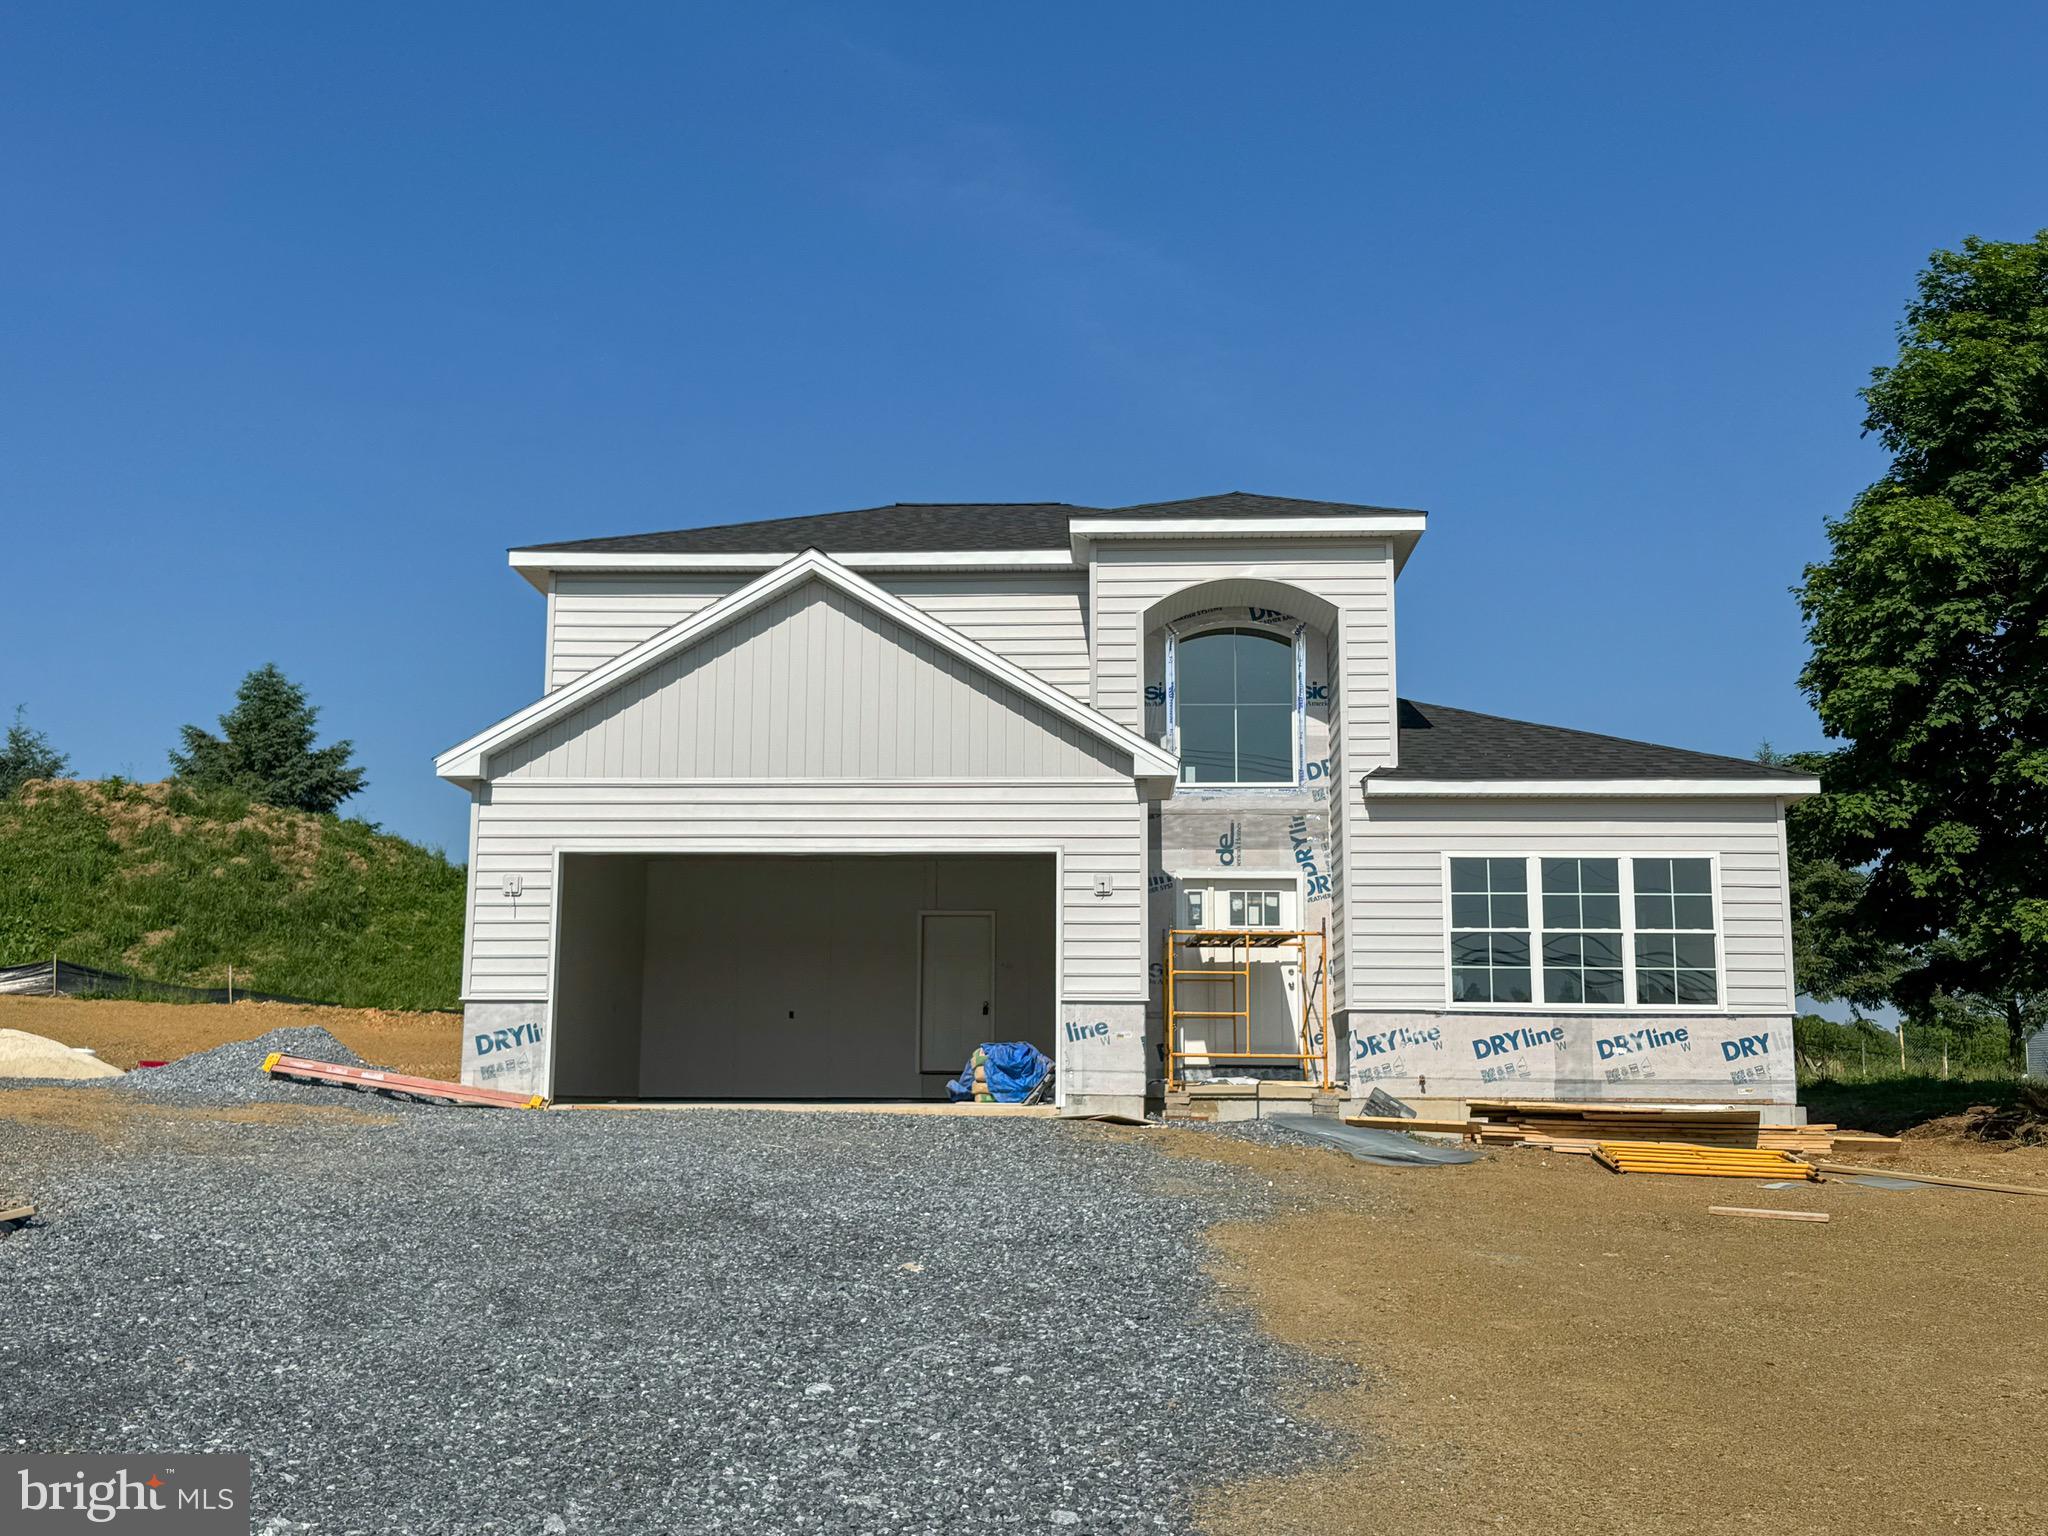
column 1582, row 937
column 1604, row 931
column 1674, row 912
column 1490, row 931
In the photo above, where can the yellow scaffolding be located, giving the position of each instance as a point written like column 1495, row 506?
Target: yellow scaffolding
column 1312, row 1026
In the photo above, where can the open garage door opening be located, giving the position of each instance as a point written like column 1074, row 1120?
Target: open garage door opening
column 825, row 977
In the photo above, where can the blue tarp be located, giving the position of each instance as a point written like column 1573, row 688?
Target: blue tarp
column 1011, row 1070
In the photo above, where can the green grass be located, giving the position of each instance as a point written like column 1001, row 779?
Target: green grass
column 164, row 883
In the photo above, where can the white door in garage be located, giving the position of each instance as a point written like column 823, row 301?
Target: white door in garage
column 956, row 987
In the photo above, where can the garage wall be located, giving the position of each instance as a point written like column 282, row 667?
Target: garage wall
column 1099, row 827
column 769, row 978
column 598, row 1003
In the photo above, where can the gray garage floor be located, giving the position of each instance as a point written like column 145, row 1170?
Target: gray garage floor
column 705, row 1320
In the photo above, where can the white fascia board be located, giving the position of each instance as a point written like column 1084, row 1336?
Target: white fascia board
column 1791, row 787
column 537, row 564
column 1084, row 530
column 465, row 763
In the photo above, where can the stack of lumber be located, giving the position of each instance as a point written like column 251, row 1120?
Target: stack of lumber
column 1708, row 1162
column 1581, row 1127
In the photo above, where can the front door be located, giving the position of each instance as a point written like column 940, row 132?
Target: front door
column 956, row 997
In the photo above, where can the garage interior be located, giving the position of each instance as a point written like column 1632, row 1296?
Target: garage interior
column 685, row 977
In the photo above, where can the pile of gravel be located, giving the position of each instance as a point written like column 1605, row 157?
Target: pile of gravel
column 696, row 1320
column 233, row 1073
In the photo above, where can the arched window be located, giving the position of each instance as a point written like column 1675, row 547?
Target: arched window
column 1234, row 699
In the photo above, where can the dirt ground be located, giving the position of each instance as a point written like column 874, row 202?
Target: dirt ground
column 122, row 1033
column 1546, row 1346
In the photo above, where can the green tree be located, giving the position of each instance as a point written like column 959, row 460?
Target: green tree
column 265, row 749
column 1929, row 632
column 1837, row 954
column 28, row 755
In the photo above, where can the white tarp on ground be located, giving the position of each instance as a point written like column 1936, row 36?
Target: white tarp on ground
column 1710, row 1058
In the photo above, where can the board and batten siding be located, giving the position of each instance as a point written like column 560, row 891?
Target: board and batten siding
column 1035, row 621
column 1096, row 828
column 1394, row 952
column 812, row 684
column 1358, row 580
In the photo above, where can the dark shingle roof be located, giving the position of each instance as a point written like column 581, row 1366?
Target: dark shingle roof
column 939, row 525
column 1437, row 742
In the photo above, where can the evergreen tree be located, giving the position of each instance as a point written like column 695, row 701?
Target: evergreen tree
column 28, row 755
column 265, row 749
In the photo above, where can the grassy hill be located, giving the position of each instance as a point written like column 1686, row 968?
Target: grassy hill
column 175, row 885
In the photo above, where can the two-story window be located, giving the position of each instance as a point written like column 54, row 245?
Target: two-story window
column 1235, row 705
column 1603, row 931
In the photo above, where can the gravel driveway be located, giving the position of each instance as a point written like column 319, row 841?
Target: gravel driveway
column 701, row 1320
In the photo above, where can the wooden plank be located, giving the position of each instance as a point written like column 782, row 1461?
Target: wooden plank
column 303, row 1069
column 1869, row 1141
column 1934, row 1178
column 1750, row 1210
column 17, row 1213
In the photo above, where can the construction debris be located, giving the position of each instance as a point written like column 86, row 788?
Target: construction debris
column 11, row 1214
column 1709, row 1162
column 1751, row 1210
column 427, row 1090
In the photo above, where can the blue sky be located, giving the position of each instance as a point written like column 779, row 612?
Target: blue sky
column 311, row 312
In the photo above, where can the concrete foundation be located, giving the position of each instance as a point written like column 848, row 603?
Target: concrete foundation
column 1102, row 1056
column 505, row 1045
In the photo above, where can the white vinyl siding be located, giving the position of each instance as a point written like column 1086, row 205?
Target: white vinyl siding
column 1097, row 829
column 1357, row 580
column 814, row 684
column 591, row 619
column 1037, row 622
column 1395, row 876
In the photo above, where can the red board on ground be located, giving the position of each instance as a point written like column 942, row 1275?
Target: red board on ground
column 301, row 1069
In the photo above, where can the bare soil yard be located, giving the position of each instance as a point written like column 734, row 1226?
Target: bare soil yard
column 424, row 1044
column 1546, row 1346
